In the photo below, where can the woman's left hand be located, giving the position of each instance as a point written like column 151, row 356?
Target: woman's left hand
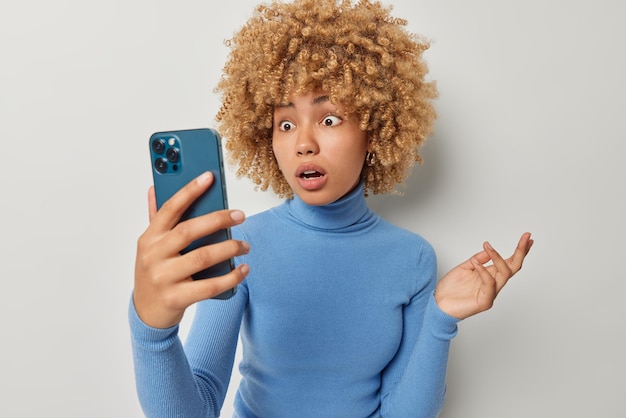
column 471, row 287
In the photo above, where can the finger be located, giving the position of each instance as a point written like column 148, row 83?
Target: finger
column 207, row 256
column 192, row 229
column 522, row 249
column 525, row 242
column 499, row 263
column 481, row 257
column 172, row 210
column 197, row 290
column 490, row 286
column 152, row 209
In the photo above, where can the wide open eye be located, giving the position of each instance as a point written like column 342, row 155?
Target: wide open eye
column 331, row 120
column 285, row 126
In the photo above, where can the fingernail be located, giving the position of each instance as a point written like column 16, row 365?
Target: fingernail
column 237, row 216
column 245, row 245
column 488, row 245
column 204, row 178
column 244, row 268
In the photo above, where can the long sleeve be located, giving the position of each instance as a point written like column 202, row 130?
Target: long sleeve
column 337, row 318
column 189, row 381
column 414, row 383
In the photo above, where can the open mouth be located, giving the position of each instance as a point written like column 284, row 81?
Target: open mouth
column 310, row 174
column 311, row 177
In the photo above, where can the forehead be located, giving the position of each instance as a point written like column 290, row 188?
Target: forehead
column 316, row 99
column 312, row 98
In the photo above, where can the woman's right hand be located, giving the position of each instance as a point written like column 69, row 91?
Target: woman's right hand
column 163, row 284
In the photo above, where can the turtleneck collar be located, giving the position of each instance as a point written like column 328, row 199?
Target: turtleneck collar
column 346, row 212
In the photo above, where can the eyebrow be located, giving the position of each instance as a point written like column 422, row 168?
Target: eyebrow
column 320, row 99
column 316, row 101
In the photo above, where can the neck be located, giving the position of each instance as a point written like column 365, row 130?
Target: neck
column 342, row 213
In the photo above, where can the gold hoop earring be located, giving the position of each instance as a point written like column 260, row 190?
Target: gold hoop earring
column 370, row 159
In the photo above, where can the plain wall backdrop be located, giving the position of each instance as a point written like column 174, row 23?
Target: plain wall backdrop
column 530, row 136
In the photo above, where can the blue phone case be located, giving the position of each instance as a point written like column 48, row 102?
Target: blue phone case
column 178, row 157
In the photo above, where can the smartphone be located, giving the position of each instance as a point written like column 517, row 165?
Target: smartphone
column 178, row 157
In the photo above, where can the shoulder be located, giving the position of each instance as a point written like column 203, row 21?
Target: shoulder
column 399, row 247
column 406, row 247
column 402, row 235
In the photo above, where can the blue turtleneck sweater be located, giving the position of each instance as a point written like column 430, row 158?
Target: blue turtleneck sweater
column 337, row 319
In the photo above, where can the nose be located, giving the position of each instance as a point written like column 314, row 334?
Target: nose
column 306, row 144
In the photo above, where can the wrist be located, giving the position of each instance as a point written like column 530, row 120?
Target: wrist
column 154, row 316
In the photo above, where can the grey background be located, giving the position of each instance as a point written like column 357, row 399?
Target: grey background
column 530, row 137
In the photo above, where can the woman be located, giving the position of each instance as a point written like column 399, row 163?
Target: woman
column 339, row 312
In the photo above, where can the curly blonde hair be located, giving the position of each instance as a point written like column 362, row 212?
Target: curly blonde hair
column 358, row 54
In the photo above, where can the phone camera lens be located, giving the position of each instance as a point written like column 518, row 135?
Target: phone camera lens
column 158, row 146
column 172, row 155
column 160, row 165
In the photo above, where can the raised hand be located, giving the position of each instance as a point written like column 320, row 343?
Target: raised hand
column 163, row 284
column 472, row 287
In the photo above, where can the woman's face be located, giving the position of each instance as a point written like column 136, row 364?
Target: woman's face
column 319, row 151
